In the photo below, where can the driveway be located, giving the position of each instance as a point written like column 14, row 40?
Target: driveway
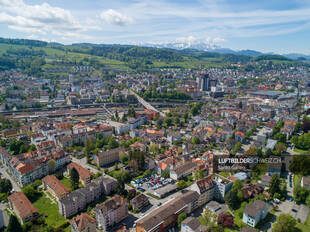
column 297, row 211
column 7, row 176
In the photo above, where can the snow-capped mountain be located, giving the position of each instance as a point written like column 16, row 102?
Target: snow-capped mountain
column 211, row 45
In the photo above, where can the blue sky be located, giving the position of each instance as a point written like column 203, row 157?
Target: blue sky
column 281, row 26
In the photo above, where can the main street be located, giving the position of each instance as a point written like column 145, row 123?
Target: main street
column 7, row 176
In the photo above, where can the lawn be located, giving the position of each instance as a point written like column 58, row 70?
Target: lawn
column 297, row 180
column 306, row 226
column 152, row 195
column 66, row 182
column 45, row 207
column 300, row 150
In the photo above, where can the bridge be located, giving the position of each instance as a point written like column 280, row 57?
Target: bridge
column 147, row 105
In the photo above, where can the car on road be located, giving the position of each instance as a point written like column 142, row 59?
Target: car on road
column 159, row 204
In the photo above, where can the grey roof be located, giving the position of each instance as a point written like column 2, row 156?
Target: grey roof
column 255, row 208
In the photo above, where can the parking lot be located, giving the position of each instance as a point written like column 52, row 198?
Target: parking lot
column 151, row 183
column 297, row 211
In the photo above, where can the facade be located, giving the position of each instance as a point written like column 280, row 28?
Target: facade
column 166, row 216
column 55, row 187
column 139, row 202
column 222, row 186
column 31, row 166
column 83, row 223
column 182, row 171
column 191, row 224
column 111, row 212
column 84, row 174
column 22, row 207
column 305, row 182
column 108, row 157
column 255, row 212
column 77, row 201
column 206, row 189
column 203, row 82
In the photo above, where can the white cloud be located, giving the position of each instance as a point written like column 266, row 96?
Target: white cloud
column 113, row 17
column 42, row 19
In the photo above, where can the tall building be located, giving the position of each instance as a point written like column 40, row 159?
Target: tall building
column 203, row 82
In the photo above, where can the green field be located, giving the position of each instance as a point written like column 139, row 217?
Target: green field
column 306, row 226
column 45, row 207
column 66, row 182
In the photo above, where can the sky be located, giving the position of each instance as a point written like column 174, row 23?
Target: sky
column 279, row 26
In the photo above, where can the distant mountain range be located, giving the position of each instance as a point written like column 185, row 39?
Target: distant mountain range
column 204, row 46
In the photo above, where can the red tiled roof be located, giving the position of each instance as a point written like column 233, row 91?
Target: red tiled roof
column 22, row 204
column 82, row 221
column 83, row 173
column 58, row 187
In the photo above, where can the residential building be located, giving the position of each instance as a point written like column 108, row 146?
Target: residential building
column 222, row 186
column 77, row 201
column 183, row 170
column 22, row 207
column 305, row 182
column 111, row 212
column 1, row 219
column 83, row 223
column 30, row 166
column 206, row 189
column 84, row 174
column 108, row 185
column 139, row 202
column 108, row 157
column 191, row 224
column 55, row 187
column 253, row 213
column 166, row 216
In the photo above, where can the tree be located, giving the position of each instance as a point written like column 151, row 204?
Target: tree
column 74, row 178
column 14, row 225
column 30, row 192
column 305, row 126
column 231, row 198
column 165, row 174
column 124, row 159
column 181, row 218
column 300, row 194
column 90, row 143
column 236, row 148
column 196, row 140
column 226, row 220
column 300, row 165
column 308, row 200
column 181, row 184
column 51, row 166
column 112, row 143
column 5, row 185
column 208, row 218
column 280, row 137
column 284, row 223
column 198, row 174
column 36, row 184
column 280, row 148
column 274, row 186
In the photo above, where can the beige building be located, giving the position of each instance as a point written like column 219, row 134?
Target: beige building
column 108, row 157
column 206, row 189
column 83, row 223
column 55, row 187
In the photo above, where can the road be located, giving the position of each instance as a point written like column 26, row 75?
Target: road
column 84, row 164
column 7, row 176
column 5, row 216
column 147, row 105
